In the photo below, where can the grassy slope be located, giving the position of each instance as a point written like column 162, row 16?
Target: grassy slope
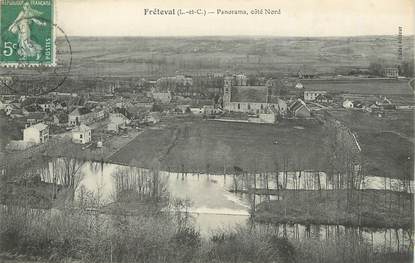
column 387, row 143
column 309, row 207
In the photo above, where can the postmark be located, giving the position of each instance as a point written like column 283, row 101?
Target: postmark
column 27, row 33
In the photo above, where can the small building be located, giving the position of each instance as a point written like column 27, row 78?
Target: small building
column 46, row 104
column 81, row 134
column 60, row 119
column 117, row 121
column 153, row 117
column 38, row 133
column 163, row 97
column 27, row 110
column 299, row 109
column 35, row 117
column 348, row 104
column 299, row 85
column 391, row 72
column 325, row 98
column 310, row 95
column 383, row 101
column 80, row 115
column 267, row 117
column 13, row 106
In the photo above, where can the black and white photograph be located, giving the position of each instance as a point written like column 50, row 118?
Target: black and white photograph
column 182, row 131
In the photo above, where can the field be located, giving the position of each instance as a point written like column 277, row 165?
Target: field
column 362, row 86
column 214, row 146
column 151, row 56
column 387, row 143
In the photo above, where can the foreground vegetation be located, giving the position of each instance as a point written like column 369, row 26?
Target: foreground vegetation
column 77, row 235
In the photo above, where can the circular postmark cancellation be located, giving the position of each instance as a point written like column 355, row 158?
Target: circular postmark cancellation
column 36, row 55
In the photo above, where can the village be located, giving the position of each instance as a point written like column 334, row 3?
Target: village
column 94, row 118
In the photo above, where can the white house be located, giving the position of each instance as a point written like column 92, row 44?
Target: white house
column 299, row 85
column 38, row 133
column 81, row 134
column 347, row 104
column 117, row 120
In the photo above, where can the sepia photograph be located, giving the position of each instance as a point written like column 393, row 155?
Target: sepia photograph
column 182, row 131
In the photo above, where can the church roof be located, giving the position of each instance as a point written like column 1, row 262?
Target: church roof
column 254, row 94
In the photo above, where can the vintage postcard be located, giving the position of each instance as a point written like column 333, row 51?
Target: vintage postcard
column 222, row 131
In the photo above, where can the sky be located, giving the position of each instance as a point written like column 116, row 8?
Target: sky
column 297, row 18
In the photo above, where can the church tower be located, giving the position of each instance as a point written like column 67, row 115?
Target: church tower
column 227, row 91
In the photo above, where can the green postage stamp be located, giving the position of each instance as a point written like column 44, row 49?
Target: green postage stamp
column 27, row 33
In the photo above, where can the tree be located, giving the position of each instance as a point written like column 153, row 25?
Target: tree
column 376, row 67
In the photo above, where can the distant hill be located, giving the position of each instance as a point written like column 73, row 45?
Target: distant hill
column 162, row 56
column 152, row 56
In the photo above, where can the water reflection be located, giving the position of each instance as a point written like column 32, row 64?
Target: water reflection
column 214, row 207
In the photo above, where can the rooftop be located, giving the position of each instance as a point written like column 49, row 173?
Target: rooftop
column 80, row 111
column 254, row 94
column 81, row 128
column 38, row 126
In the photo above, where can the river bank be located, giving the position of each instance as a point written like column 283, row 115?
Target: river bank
column 364, row 208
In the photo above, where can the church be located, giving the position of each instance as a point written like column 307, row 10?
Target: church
column 239, row 97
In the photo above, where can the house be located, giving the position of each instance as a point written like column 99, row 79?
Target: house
column 12, row 106
column 383, row 101
column 303, row 74
column 60, row 105
column 299, row 85
column 267, row 117
column 348, row 104
column 153, row 117
column 299, row 109
column 391, row 72
column 60, row 119
column 35, row 117
column 80, row 115
column 163, row 97
column 81, row 134
column 278, row 106
column 117, row 120
column 38, row 133
column 202, row 107
column 197, row 110
column 31, row 109
column 310, row 95
column 182, row 108
column 120, row 118
column 4, row 103
column 249, row 99
column 358, row 104
column 325, row 98
column 209, row 110
column 46, row 104
column 16, row 113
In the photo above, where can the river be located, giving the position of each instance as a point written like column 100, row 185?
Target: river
column 214, row 207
